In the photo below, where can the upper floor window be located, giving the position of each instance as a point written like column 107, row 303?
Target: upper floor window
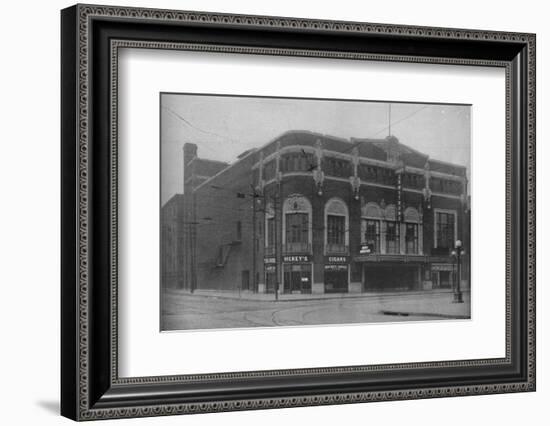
column 371, row 217
column 392, row 237
column 376, row 174
column 412, row 219
column 297, row 162
column 297, row 224
column 411, row 180
column 444, row 229
column 336, row 229
column 269, row 170
column 371, row 234
column 297, row 227
column 411, row 238
column 336, row 167
column 446, row 186
column 336, row 223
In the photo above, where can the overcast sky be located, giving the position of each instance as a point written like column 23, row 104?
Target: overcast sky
column 225, row 126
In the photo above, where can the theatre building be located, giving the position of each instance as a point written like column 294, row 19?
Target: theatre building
column 310, row 213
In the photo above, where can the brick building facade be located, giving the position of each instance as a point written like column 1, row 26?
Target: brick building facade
column 172, row 242
column 312, row 213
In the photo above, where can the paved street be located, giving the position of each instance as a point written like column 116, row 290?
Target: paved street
column 183, row 311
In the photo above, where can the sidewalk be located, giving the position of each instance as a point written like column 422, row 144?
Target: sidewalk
column 298, row 309
column 270, row 297
column 437, row 307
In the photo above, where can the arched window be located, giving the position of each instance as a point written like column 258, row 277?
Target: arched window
column 371, row 218
column 412, row 230
column 297, row 224
column 392, row 229
column 336, row 227
column 371, row 210
column 411, row 215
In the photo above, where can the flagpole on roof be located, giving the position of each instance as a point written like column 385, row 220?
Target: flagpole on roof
column 389, row 119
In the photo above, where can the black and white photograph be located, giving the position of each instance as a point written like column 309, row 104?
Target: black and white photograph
column 280, row 207
column 281, row 212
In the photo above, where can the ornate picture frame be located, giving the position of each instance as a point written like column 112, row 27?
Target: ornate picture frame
column 91, row 37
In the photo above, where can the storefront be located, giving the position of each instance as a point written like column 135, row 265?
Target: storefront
column 297, row 274
column 390, row 276
column 443, row 275
column 336, row 274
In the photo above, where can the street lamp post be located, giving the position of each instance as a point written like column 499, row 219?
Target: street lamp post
column 457, row 253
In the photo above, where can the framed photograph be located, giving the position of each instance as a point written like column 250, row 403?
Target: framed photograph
column 263, row 212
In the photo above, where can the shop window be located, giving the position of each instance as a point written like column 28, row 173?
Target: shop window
column 297, row 278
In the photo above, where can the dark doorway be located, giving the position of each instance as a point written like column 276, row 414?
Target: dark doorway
column 245, row 280
column 390, row 278
column 336, row 280
column 445, row 279
column 297, row 278
column 270, row 278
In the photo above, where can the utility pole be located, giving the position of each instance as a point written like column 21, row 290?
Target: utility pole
column 254, row 198
column 193, row 226
column 457, row 253
column 276, row 236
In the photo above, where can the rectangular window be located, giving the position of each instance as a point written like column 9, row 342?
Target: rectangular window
column 411, row 238
column 336, row 167
column 269, row 170
column 336, row 234
column 392, row 238
column 297, row 232
column 445, row 230
column 336, row 229
column 371, row 234
column 297, row 162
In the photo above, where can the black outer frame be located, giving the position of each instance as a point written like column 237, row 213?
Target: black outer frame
column 88, row 390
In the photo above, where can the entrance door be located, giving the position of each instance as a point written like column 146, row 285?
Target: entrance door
column 297, row 278
column 245, row 283
column 445, row 279
column 270, row 279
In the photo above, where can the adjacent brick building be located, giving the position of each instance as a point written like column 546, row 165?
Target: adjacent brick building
column 172, row 240
column 312, row 213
